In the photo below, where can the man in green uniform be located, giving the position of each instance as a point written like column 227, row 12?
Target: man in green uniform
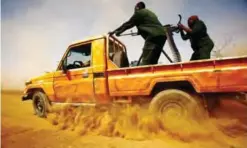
column 150, row 28
column 200, row 41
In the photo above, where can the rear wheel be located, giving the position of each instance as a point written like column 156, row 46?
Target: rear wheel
column 177, row 104
column 41, row 104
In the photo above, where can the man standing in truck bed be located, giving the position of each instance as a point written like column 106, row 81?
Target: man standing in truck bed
column 150, row 28
column 200, row 41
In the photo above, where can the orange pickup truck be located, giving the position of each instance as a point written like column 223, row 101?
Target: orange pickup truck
column 96, row 72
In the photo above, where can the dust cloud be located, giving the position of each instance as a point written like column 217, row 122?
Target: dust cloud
column 136, row 123
column 237, row 50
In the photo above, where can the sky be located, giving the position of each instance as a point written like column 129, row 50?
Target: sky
column 36, row 33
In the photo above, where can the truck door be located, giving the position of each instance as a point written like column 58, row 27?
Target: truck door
column 76, row 84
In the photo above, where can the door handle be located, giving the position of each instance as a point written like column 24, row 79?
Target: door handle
column 85, row 75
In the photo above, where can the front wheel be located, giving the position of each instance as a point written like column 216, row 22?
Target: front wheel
column 177, row 104
column 41, row 104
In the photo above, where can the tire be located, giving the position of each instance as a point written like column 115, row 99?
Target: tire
column 41, row 104
column 177, row 104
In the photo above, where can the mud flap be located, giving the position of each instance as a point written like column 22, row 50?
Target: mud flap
column 26, row 96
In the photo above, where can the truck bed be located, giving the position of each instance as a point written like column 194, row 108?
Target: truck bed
column 217, row 75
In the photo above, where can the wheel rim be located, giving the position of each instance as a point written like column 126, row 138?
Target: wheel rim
column 172, row 110
column 39, row 105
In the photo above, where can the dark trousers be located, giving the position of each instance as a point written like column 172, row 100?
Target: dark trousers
column 152, row 50
column 204, row 50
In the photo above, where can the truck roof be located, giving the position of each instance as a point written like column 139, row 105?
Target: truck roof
column 87, row 39
column 95, row 38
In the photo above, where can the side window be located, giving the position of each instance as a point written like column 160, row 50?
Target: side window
column 79, row 57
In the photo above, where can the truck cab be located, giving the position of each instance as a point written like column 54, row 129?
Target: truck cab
column 81, row 76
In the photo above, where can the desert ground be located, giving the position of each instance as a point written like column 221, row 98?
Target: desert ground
column 20, row 128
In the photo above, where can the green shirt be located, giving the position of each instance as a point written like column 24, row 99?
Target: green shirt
column 198, row 36
column 147, row 24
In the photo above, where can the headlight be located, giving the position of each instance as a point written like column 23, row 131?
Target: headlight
column 28, row 82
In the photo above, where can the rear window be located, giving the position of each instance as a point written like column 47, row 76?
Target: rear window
column 114, row 47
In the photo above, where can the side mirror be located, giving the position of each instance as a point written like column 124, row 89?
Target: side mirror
column 64, row 66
